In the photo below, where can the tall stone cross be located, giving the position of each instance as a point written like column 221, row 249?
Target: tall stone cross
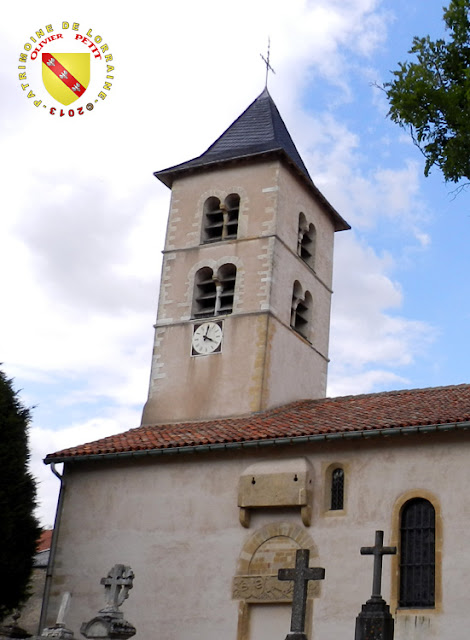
column 378, row 551
column 300, row 576
column 116, row 585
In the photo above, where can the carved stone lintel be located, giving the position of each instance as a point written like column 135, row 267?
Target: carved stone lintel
column 267, row 588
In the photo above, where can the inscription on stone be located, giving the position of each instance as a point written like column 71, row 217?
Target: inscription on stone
column 267, row 588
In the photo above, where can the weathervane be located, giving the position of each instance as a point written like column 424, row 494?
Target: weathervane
column 266, row 62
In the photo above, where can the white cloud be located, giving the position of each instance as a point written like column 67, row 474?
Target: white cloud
column 369, row 341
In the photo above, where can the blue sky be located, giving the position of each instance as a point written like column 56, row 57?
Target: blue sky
column 83, row 219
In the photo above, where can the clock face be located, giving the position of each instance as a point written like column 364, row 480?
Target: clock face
column 207, row 338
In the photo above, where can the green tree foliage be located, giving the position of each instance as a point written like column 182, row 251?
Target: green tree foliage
column 19, row 529
column 431, row 96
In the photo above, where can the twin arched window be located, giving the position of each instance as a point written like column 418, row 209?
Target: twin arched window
column 214, row 292
column 301, row 311
column 306, row 241
column 220, row 219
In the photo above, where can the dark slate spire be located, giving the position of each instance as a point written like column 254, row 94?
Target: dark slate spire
column 259, row 130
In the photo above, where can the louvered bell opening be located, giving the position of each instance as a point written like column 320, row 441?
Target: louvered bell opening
column 232, row 202
column 232, row 224
column 228, row 275
column 214, row 226
column 226, row 302
column 417, row 555
column 205, row 298
column 307, row 246
column 301, row 316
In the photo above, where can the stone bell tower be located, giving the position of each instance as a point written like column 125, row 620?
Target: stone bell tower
column 244, row 309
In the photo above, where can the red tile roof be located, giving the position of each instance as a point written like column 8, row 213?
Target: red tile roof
column 44, row 541
column 349, row 416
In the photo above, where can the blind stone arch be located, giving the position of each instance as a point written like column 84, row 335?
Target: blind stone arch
column 255, row 582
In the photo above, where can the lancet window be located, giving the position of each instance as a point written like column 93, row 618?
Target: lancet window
column 220, row 221
column 214, row 293
column 337, row 489
column 417, row 554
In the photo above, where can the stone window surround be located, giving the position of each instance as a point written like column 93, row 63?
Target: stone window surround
column 395, row 542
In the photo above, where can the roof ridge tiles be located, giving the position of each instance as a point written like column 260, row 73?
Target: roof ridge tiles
column 382, row 411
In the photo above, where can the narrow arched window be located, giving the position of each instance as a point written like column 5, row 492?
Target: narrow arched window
column 232, row 207
column 213, row 222
column 417, row 554
column 301, row 311
column 337, row 489
column 205, row 293
column 225, row 284
column 220, row 219
column 306, row 241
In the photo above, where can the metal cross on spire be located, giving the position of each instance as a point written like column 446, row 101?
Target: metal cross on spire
column 266, row 62
column 378, row 551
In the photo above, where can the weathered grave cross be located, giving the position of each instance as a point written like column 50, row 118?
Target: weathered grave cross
column 378, row 551
column 301, row 576
column 117, row 584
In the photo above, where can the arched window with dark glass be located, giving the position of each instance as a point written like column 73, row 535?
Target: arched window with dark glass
column 337, row 489
column 417, row 554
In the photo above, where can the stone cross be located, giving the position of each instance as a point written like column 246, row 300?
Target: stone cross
column 117, row 584
column 301, row 576
column 64, row 605
column 378, row 551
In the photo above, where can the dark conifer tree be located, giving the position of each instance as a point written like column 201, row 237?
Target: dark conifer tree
column 19, row 528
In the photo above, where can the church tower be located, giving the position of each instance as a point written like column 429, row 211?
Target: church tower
column 244, row 308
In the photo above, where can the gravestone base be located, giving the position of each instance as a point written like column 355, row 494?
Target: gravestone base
column 57, row 632
column 13, row 631
column 108, row 625
column 296, row 635
column 375, row 622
